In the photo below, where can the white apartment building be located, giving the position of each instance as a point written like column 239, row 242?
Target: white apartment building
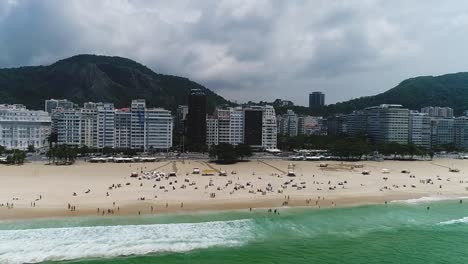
column 212, row 131
column 461, row 132
column 67, row 125
column 99, row 125
column 20, row 127
column 52, row 104
column 158, row 129
column 388, row 123
column 105, row 125
column 89, row 133
column 437, row 111
column 230, row 126
column 269, row 128
column 226, row 126
column 236, row 126
column 420, row 129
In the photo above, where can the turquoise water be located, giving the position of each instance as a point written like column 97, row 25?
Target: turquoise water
column 394, row 233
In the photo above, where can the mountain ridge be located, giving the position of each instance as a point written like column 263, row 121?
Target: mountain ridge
column 414, row 93
column 87, row 77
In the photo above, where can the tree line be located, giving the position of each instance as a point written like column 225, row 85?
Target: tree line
column 227, row 153
column 353, row 148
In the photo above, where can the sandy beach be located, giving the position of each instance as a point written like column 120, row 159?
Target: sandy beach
column 40, row 190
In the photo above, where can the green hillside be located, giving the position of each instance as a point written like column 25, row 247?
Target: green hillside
column 446, row 90
column 95, row 78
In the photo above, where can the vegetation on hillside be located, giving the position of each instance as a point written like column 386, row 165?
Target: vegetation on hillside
column 84, row 78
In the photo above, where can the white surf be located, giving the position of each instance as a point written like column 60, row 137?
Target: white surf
column 37, row 245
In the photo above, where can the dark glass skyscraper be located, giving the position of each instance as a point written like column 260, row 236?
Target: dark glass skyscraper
column 253, row 127
column 316, row 99
column 196, row 118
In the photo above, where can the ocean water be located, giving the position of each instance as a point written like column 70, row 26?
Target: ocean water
column 401, row 232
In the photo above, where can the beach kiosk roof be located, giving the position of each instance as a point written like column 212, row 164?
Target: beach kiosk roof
column 208, row 172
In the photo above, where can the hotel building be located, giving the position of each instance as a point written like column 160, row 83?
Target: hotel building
column 20, row 127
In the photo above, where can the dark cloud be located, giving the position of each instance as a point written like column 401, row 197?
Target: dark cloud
column 249, row 50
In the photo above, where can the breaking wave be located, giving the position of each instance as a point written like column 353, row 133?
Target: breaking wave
column 38, row 245
column 427, row 199
column 455, row 221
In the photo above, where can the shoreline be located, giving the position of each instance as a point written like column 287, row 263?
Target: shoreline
column 194, row 209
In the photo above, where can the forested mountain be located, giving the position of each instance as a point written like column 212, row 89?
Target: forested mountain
column 95, row 78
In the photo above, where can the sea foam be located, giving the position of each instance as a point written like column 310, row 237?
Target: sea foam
column 37, row 245
column 427, row 199
column 455, row 221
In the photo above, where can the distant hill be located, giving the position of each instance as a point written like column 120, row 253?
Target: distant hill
column 446, row 90
column 84, row 78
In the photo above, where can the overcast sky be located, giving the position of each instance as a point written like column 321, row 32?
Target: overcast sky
column 246, row 49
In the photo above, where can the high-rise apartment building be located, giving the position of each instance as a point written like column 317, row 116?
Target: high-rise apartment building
column 337, row 125
column 269, row 128
column 356, row 123
column 181, row 117
column 461, row 132
column 253, row 126
column 21, row 128
column 52, row 104
column 442, row 131
column 212, row 131
column 67, row 125
column 99, row 125
column 105, row 125
column 316, row 99
column 89, row 132
column 123, row 128
column 388, row 123
column 226, row 126
column 288, row 124
column 196, row 119
column 137, row 138
column 436, row 111
column 420, row 129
